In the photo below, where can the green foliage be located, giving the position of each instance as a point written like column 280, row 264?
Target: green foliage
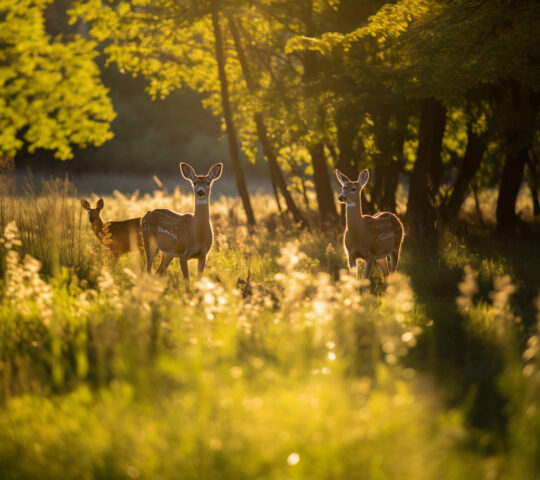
column 51, row 95
column 179, row 52
column 347, row 75
column 442, row 49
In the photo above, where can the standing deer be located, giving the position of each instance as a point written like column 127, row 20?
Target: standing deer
column 183, row 236
column 376, row 238
column 119, row 237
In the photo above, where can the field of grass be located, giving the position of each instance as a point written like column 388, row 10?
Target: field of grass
column 273, row 367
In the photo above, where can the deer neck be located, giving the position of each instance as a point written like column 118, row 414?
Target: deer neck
column 355, row 218
column 201, row 218
column 97, row 227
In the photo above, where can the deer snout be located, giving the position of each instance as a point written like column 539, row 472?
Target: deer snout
column 200, row 192
column 341, row 198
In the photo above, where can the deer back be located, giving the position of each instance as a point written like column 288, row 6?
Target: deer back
column 123, row 236
column 174, row 231
column 385, row 232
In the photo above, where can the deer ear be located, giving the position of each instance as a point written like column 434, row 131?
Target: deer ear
column 342, row 178
column 187, row 171
column 363, row 177
column 215, row 172
column 85, row 204
column 100, row 204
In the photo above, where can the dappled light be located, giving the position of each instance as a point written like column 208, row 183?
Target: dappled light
column 269, row 240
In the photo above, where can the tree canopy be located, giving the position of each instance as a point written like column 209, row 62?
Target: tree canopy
column 443, row 91
column 51, row 95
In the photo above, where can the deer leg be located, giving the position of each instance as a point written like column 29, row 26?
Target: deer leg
column 133, row 241
column 150, row 249
column 394, row 257
column 164, row 263
column 367, row 272
column 185, row 271
column 383, row 265
column 352, row 264
column 200, row 265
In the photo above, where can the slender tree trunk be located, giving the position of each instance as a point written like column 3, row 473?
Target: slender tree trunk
column 425, row 178
column 382, row 159
column 534, row 183
column 321, row 179
column 227, row 113
column 474, row 188
column 390, row 185
column 275, row 171
column 536, row 202
column 346, row 133
column 520, row 135
column 390, row 133
column 321, row 175
column 304, row 193
column 511, row 177
column 346, row 158
column 476, row 146
column 391, row 178
column 275, row 190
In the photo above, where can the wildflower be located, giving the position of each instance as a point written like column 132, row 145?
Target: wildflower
column 468, row 287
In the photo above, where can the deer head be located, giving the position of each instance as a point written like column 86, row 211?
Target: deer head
column 202, row 184
column 350, row 190
column 93, row 213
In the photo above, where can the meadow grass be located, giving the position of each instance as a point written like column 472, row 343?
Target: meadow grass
column 274, row 366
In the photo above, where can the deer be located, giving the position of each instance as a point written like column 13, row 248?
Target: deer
column 373, row 238
column 185, row 236
column 118, row 237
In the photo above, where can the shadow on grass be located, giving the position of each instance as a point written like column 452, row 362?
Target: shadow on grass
column 466, row 362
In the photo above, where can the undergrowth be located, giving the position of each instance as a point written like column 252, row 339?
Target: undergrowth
column 273, row 367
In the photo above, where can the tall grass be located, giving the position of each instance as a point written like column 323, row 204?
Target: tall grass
column 274, row 367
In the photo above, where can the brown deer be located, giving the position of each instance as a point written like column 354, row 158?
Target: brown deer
column 183, row 236
column 118, row 237
column 376, row 238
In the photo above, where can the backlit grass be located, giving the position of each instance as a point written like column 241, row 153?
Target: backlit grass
column 273, row 367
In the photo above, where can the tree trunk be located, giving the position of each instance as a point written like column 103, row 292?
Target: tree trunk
column 276, row 192
column 520, row 135
column 346, row 133
column 321, row 175
column 477, row 203
column 390, row 185
column 321, row 179
column 476, row 146
column 534, row 183
column 536, row 202
column 389, row 133
column 511, row 178
column 275, row 171
column 227, row 113
column 347, row 160
column 391, row 178
column 382, row 158
column 425, row 178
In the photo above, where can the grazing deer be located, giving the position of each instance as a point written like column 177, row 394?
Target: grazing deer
column 376, row 238
column 183, row 236
column 119, row 237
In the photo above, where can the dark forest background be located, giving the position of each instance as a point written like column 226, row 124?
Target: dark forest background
column 440, row 97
